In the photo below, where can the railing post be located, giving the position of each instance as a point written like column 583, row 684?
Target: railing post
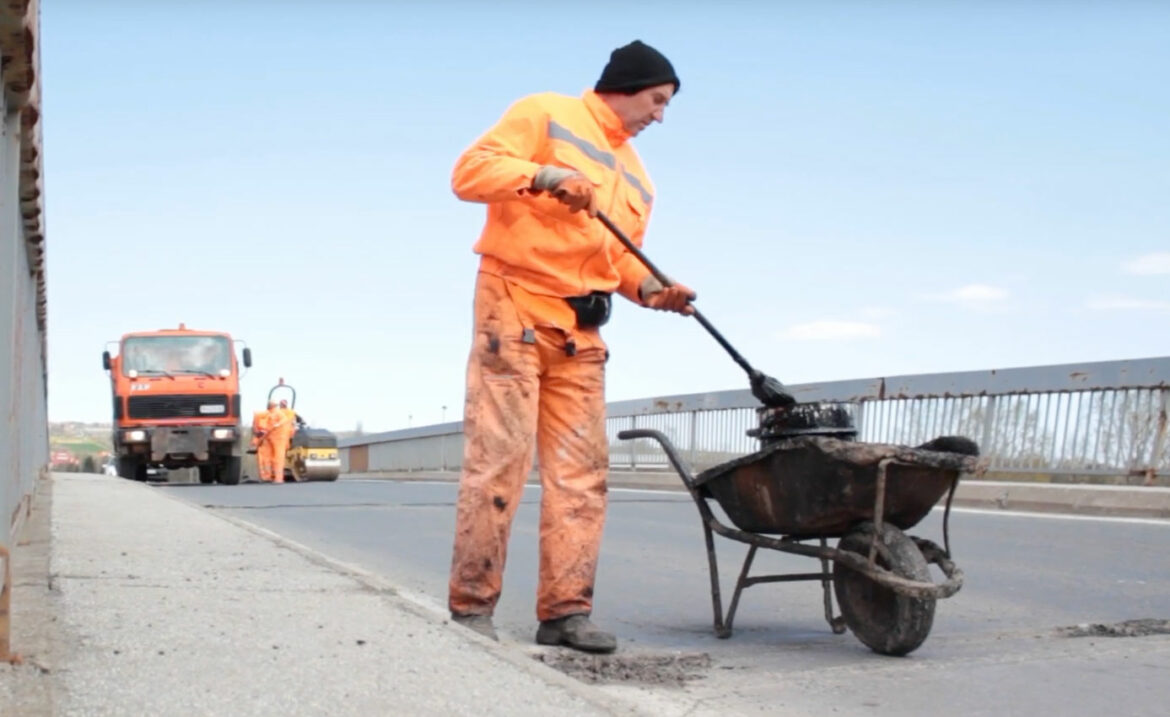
column 694, row 447
column 633, row 445
column 1159, row 436
column 988, row 427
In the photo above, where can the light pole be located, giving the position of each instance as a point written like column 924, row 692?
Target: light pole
column 444, row 414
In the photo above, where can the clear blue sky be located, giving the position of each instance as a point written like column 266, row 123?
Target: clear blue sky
column 854, row 189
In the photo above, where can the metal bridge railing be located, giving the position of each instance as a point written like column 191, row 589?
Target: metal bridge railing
column 1093, row 419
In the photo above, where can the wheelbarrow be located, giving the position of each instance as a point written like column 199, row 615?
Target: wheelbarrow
column 795, row 494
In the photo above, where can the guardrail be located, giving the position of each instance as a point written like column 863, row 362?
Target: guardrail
column 1093, row 419
column 24, row 442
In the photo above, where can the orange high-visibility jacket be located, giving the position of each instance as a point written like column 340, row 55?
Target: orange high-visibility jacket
column 260, row 421
column 532, row 239
column 289, row 417
column 279, row 427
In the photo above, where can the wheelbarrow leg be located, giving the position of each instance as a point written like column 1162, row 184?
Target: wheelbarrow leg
column 739, row 586
column 705, row 515
column 837, row 624
column 716, row 599
column 879, row 506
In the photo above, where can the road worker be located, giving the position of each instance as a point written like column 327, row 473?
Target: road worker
column 290, row 417
column 260, row 445
column 279, row 435
column 535, row 375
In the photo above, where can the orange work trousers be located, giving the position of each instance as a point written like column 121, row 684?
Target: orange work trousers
column 266, row 459
column 525, row 391
column 279, row 443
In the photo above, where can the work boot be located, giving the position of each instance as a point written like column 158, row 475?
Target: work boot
column 479, row 623
column 577, row 632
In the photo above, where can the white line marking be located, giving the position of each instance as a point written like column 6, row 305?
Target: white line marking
column 657, row 491
column 984, row 511
column 974, row 511
column 1062, row 516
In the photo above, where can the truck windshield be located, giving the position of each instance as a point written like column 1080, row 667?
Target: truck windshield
column 169, row 355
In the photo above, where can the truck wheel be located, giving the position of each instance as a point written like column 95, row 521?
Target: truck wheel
column 131, row 468
column 229, row 471
column 886, row 621
column 207, row 474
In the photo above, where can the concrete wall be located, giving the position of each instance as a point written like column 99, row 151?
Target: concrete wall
column 24, row 440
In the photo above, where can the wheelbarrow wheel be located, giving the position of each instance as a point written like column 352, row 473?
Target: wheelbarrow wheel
column 884, row 620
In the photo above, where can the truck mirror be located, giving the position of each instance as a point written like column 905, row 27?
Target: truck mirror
column 247, row 357
column 106, row 360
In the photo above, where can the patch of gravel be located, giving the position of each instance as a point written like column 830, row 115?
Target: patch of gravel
column 648, row 669
column 1128, row 628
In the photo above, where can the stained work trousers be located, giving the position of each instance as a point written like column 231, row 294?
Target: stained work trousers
column 524, row 388
column 266, row 459
column 279, row 447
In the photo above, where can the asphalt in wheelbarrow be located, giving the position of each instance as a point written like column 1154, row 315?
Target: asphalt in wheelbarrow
column 817, row 486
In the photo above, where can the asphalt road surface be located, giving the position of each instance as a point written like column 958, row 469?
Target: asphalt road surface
column 996, row 648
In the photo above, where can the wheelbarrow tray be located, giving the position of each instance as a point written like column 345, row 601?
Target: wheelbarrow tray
column 817, row 486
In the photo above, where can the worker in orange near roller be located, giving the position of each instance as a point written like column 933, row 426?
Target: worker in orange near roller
column 279, row 435
column 260, row 424
column 267, row 453
column 290, row 416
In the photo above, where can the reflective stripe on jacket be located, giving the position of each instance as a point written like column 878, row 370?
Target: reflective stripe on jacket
column 532, row 239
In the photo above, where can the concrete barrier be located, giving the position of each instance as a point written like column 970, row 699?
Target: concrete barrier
column 24, row 441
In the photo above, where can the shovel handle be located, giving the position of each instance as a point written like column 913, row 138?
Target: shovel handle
column 633, row 249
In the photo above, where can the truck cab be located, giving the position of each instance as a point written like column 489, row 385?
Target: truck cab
column 176, row 403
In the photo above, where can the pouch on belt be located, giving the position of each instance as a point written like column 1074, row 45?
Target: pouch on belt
column 592, row 309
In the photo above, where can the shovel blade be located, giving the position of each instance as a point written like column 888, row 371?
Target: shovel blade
column 770, row 392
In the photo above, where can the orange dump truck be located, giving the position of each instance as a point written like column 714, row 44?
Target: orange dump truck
column 177, row 403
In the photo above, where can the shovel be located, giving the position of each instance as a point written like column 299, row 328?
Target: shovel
column 766, row 389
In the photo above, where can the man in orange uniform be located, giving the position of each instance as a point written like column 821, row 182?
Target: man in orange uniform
column 260, row 424
column 536, row 373
column 280, row 432
column 290, row 416
column 288, row 419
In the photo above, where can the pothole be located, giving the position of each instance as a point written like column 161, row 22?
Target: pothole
column 650, row 669
column 1128, row 628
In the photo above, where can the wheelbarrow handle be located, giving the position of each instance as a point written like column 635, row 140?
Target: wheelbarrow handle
column 671, row 453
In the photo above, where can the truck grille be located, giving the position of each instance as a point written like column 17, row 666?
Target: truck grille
column 202, row 406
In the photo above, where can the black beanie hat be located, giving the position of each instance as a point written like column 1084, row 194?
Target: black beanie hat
column 635, row 67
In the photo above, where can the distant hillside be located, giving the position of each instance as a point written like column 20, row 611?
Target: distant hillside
column 80, row 439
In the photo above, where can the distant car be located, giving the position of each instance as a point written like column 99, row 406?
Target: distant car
column 110, row 469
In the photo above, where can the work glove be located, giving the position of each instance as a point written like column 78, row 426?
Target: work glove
column 676, row 297
column 570, row 188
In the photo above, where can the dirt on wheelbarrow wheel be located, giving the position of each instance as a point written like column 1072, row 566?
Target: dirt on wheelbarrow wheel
column 885, row 621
